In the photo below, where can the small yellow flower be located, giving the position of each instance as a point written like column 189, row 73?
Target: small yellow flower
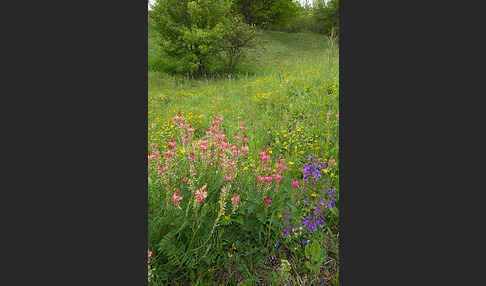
column 245, row 168
column 326, row 171
column 227, row 217
column 291, row 163
column 279, row 215
column 314, row 195
column 270, row 151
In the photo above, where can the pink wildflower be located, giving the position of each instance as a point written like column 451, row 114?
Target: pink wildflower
column 260, row 178
column 154, row 145
column 191, row 155
column 160, row 170
column 235, row 199
column 178, row 118
column 184, row 181
column 268, row 201
column 201, row 194
column 149, row 253
column 228, row 178
column 277, row 177
column 268, row 179
column 295, row 184
column 282, row 160
column 241, row 127
column 244, row 149
column 190, row 130
column 176, row 197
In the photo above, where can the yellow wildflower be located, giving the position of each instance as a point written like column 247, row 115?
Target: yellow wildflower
column 314, row 195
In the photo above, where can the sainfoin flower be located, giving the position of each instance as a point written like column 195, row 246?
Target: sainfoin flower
column 277, row 177
column 235, row 199
column 176, row 197
column 201, row 194
column 228, row 178
column 295, row 184
column 268, row 201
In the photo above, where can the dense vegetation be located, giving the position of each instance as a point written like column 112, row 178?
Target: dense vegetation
column 208, row 37
column 243, row 176
column 287, row 104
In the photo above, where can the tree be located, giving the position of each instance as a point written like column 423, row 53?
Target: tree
column 266, row 12
column 191, row 32
column 326, row 15
column 242, row 36
column 199, row 36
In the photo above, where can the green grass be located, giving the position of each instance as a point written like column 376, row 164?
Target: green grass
column 281, row 93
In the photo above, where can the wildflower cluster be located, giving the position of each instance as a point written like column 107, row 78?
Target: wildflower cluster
column 298, row 141
column 149, row 274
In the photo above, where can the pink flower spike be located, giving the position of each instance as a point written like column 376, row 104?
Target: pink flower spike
column 241, row 128
column 154, row 145
column 176, row 197
column 235, row 199
column 184, row 181
column 260, row 178
column 244, row 149
column 190, row 130
column 295, row 184
column 268, row 201
column 149, row 253
column 191, row 156
column 228, row 178
column 268, row 179
column 201, row 194
column 282, row 160
column 160, row 170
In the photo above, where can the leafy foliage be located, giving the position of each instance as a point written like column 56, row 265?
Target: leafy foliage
column 196, row 35
column 266, row 13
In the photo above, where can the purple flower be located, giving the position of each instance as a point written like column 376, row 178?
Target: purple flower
column 305, row 201
column 311, row 222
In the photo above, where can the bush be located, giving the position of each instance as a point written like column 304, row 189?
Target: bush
column 199, row 37
column 240, row 37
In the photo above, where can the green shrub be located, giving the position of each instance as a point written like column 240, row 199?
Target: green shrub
column 199, row 37
column 191, row 32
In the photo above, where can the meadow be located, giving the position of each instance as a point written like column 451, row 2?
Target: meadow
column 243, row 174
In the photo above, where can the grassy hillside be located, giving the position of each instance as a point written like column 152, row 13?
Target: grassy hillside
column 285, row 94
